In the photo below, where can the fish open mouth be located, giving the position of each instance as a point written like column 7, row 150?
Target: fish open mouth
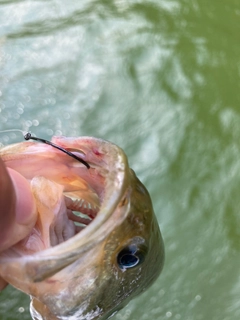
column 78, row 211
column 66, row 203
column 77, row 207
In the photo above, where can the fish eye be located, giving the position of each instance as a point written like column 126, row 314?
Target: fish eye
column 131, row 256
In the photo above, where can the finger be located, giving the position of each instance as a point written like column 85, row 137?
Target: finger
column 18, row 212
column 25, row 204
column 7, row 202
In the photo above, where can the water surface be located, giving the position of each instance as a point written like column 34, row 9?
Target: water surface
column 162, row 80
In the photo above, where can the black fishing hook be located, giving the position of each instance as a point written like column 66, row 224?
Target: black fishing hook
column 28, row 136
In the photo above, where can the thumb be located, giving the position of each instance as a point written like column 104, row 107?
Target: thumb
column 18, row 213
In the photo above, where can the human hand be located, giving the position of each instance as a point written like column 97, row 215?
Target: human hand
column 18, row 213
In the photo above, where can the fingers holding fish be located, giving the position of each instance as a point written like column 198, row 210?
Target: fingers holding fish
column 18, row 212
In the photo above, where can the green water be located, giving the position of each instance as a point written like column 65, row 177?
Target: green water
column 162, row 80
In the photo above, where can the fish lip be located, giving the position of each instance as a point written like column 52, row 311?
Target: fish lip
column 43, row 264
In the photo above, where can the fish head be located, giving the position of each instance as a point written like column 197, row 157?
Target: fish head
column 91, row 272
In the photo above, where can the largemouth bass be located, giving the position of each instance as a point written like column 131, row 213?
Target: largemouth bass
column 96, row 243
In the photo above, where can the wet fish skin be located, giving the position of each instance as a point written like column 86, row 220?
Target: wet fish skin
column 84, row 280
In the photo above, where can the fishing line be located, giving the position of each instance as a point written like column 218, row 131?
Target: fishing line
column 27, row 136
column 13, row 130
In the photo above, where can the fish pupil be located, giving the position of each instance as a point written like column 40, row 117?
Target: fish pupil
column 129, row 260
column 129, row 257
